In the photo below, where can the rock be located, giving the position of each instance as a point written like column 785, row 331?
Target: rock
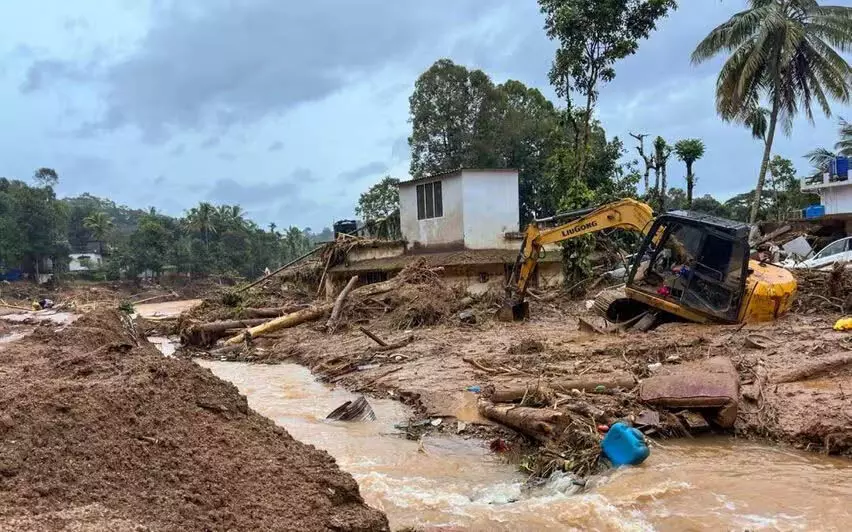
column 467, row 316
column 466, row 301
column 653, row 368
column 693, row 420
column 478, row 290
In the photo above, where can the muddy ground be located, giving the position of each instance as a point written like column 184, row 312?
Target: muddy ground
column 102, row 432
column 434, row 371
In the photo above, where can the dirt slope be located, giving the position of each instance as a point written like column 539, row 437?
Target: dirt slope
column 99, row 431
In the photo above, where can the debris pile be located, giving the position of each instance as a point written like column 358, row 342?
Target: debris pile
column 823, row 291
column 100, row 431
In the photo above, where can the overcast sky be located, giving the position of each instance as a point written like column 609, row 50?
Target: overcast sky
column 293, row 108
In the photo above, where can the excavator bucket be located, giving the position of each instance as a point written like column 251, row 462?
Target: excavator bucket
column 514, row 312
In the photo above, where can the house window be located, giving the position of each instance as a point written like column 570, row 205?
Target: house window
column 430, row 203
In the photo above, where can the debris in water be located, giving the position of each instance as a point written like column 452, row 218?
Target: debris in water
column 358, row 410
column 624, row 445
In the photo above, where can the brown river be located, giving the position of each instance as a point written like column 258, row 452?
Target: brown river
column 451, row 482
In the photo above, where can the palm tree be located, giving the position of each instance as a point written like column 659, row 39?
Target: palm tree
column 783, row 51
column 844, row 145
column 202, row 219
column 272, row 227
column 99, row 224
column 689, row 151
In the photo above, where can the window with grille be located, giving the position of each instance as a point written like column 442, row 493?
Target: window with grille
column 430, row 203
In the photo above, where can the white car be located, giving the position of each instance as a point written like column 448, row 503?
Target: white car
column 839, row 250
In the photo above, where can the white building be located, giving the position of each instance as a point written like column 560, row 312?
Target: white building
column 835, row 195
column 82, row 262
column 464, row 209
column 465, row 221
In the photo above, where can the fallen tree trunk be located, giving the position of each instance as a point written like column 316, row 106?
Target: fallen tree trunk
column 312, row 313
column 516, row 395
column 538, row 423
column 591, row 383
column 331, row 324
column 205, row 334
column 390, row 347
column 271, row 312
column 371, row 335
column 836, row 361
column 284, row 322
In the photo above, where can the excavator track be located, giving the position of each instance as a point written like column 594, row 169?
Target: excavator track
column 616, row 307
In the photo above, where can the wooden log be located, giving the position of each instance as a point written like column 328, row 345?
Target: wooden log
column 271, row 312
column 515, row 395
column 372, row 336
column 207, row 333
column 281, row 269
column 834, row 361
column 538, row 423
column 333, row 320
column 390, row 347
column 590, row 383
column 284, row 322
column 312, row 313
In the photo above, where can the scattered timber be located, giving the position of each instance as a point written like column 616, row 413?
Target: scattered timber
column 279, row 270
column 836, row 361
column 333, row 320
column 372, row 336
column 207, row 333
column 538, row 423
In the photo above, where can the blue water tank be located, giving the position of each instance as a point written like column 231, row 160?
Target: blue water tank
column 840, row 167
column 814, row 211
column 624, row 445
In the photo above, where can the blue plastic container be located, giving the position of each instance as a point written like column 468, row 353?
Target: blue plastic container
column 624, row 445
column 840, row 167
column 814, row 211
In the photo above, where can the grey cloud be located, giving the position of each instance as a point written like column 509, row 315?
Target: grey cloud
column 231, row 62
column 45, row 71
column 178, row 150
column 251, row 194
column 367, row 170
column 303, row 176
column 160, row 179
column 210, row 142
column 227, row 156
column 276, row 146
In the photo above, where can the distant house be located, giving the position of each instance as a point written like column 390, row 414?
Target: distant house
column 83, row 262
column 465, row 221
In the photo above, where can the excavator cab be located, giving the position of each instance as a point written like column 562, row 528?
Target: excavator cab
column 692, row 265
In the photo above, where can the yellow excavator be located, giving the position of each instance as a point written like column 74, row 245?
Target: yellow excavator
column 689, row 266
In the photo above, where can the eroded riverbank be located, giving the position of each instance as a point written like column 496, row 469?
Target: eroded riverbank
column 712, row 483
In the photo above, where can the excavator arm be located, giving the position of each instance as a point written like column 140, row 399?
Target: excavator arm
column 623, row 214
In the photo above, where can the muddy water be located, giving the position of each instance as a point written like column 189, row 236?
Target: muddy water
column 717, row 484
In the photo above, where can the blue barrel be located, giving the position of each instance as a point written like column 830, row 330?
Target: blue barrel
column 814, row 211
column 624, row 445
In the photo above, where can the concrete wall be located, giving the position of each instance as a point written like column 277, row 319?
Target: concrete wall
column 837, row 200
column 446, row 231
column 374, row 252
column 490, row 208
column 75, row 262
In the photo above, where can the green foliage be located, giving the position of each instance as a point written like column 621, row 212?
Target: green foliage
column 32, row 227
column 785, row 191
column 126, row 307
column 593, row 35
column 379, row 207
column 786, row 53
column 454, row 117
column 46, row 177
column 689, row 151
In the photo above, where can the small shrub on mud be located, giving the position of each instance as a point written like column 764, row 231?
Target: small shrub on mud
column 126, row 307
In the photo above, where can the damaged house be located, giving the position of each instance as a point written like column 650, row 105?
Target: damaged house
column 465, row 221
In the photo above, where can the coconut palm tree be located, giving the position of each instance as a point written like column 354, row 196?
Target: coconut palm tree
column 99, row 224
column 783, row 51
column 202, row 219
column 689, row 151
column 844, row 145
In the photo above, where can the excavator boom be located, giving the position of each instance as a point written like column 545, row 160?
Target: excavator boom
column 623, row 214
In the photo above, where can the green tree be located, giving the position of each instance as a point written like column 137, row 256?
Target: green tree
column 379, row 207
column 99, row 224
column 844, row 145
column 783, row 51
column 710, row 205
column 46, row 177
column 786, row 194
column 662, row 152
column 203, row 220
column 593, row 35
column 454, row 118
column 689, row 151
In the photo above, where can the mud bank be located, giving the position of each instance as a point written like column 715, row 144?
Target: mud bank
column 100, row 431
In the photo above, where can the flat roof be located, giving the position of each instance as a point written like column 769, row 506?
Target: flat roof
column 453, row 173
column 446, row 258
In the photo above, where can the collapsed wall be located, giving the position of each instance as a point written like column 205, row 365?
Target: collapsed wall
column 99, row 430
